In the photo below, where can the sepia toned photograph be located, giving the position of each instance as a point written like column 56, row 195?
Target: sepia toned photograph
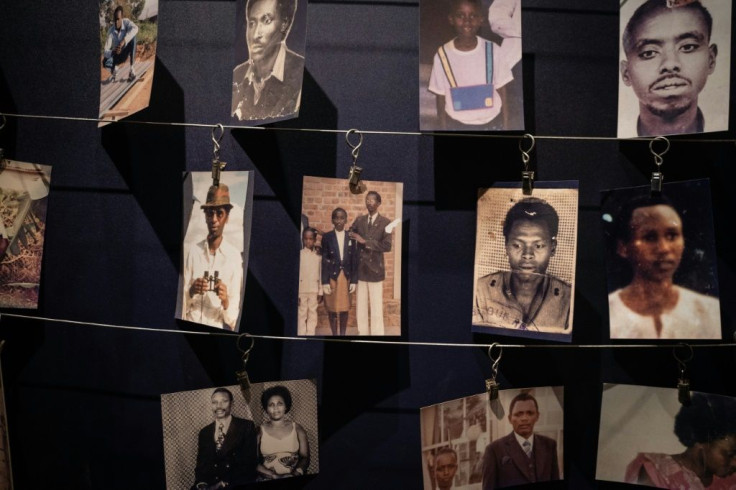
column 472, row 444
column 661, row 262
column 215, row 248
column 648, row 438
column 270, row 47
column 128, row 37
column 24, row 190
column 470, row 76
column 214, row 438
column 674, row 67
column 525, row 250
column 350, row 258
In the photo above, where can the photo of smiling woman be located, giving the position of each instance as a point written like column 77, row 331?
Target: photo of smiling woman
column 662, row 278
column 267, row 87
column 674, row 67
column 525, row 260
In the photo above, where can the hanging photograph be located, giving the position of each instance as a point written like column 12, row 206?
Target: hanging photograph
column 525, row 249
column 472, row 444
column 470, row 65
column 661, row 262
column 350, row 258
column 270, row 40
column 648, row 438
column 6, row 475
column 214, row 438
column 215, row 248
column 674, row 67
column 24, row 190
column 128, row 36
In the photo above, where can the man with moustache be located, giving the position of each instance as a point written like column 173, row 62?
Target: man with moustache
column 526, row 297
column 668, row 60
column 226, row 450
column 522, row 456
column 269, row 84
column 213, row 268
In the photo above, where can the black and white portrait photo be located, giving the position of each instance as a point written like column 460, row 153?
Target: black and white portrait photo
column 674, row 67
column 525, row 260
column 473, row 445
column 214, row 439
column 648, row 438
column 270, row 43
column 662, row 274
column 215, row 248
column 470, row 65
column 350, row 258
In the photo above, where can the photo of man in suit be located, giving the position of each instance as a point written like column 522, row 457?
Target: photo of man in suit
column 522, row 456
column 226, row 448
column 369, row 231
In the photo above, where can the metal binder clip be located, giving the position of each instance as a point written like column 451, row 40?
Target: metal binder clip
column 242, row 376
column 217, row 165
column 491, row 383
column 355, row 185
column 658, row 177
column 527, row 176
column 683, row 384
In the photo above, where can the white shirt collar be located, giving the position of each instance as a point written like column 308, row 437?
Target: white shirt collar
column 278, row 66
column 521, row 440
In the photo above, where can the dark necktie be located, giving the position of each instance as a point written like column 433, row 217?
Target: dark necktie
column 220, row 436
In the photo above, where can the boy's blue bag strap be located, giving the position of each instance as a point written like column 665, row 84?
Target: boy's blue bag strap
column 446, row 67
column 489, row 63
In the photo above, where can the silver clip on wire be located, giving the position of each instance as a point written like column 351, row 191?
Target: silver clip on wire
column 527, row 176
column 355, row 185
column 491, row 383
column 658, row 177
column 683, row 384
column 242, row 376
column 217, row 165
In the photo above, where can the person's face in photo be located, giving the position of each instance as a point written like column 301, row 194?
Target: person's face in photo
column 669, row 61
column 119, row 20
column 523, row 418
column 338, row 220
column 308, row 239
column 655, row 243
column 221, row 405
column 371, row 203
column 529, row 247
column 466, row 19
column 216, row 219
column 445, row 469
column 276, row 408
column 719, row 456
column 265, row 29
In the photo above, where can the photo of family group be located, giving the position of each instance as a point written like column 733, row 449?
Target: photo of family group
column 647, row 437
column 350, row 258
column 674, row 63
column 470, row 76
column 214, row 438
column 24, row 190
column 661, row 261
column 215, row 248
column 128, row 38
column 525, row 260
column 472, row 444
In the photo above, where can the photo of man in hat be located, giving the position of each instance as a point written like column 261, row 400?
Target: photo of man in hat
column 213, row 268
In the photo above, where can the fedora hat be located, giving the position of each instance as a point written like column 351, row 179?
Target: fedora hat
column 218, row 197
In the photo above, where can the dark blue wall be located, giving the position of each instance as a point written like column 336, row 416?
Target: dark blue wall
column 83, row 401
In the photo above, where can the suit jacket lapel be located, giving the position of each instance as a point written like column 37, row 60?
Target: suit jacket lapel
column 519, row 457
column 540, row 455
column 233, row 434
